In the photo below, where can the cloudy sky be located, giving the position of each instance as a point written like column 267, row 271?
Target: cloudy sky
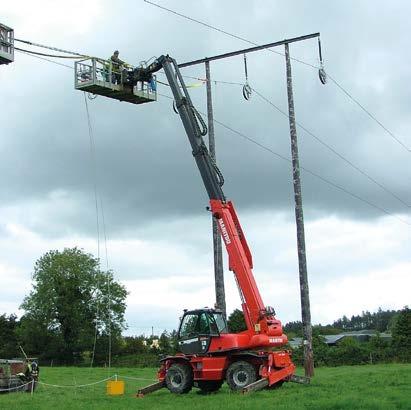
column 158, row 232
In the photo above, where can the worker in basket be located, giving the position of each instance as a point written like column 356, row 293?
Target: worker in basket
column 117, row 68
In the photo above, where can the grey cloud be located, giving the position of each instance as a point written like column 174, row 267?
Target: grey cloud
column 145, row 168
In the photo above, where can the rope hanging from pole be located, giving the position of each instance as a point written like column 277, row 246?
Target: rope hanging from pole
column 246, row 87
column 94, row 173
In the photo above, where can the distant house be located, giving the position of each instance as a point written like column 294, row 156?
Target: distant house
column 333, row 340
column 155, row 344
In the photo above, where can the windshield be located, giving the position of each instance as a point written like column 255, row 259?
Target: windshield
column 189, row 326
column 204, row 323
column 220, row 322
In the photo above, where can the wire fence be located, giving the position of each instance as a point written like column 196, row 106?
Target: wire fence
column 21, row 387
column 115, row 377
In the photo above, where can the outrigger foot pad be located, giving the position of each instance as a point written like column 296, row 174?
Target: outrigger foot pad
column 258, row 385
column 299, row 379
column 149, row 389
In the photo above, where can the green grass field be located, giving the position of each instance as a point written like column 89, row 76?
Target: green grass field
column 348, row 387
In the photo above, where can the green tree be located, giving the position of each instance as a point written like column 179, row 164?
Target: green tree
column 293, row 329
column 348, row 351
column 401, row 335
column 165, row 343
column 72, row 301
column 236, row 322
column 133, row 345
column 8, row 344
column 379, row 349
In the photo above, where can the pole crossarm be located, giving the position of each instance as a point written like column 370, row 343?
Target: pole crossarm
column 249, row 50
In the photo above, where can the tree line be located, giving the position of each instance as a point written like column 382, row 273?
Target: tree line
column 349, row 350
column 380, row 321
column 75, row 311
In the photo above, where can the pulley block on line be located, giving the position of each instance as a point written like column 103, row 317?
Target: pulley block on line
column 247, row 91
column 322, row 75
column 246, row 88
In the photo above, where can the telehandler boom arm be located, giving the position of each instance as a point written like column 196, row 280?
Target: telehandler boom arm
column 259, row 319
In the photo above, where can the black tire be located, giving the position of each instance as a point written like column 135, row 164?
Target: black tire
column 209, row 386
column 179, row 378
column 240, row 374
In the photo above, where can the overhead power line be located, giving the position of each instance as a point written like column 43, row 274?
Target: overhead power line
column 335, row 152
column 312, row 173
column 323, row 179
column 45, row 55
column 322, row 142
column 340, row 87
column 225, row 32
column 373, row 117
column 50, row 48
column 46, row 59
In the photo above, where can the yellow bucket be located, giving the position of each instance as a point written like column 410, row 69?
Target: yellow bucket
column 115, row 387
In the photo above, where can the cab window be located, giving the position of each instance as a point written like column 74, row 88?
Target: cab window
column 203, row 327
column 189, row 326
column 220, row 323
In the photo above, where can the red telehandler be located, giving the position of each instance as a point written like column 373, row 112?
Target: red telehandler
column 208, row 353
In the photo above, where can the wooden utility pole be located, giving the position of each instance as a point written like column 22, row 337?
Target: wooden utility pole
column 299, row 217
column 218, row 256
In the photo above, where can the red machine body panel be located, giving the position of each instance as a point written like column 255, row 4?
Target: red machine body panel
column 274, row 366
column 260, row 322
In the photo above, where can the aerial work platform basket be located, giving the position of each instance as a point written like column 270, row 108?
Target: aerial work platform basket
column 6, row 44
column 97, row 76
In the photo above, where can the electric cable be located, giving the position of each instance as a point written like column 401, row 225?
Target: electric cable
column 46, row 55
column 49, row 47
column 343, row 158
column 213, row 81
column 226, row 32
column 279, row 155
column 46, row 59
column 373, row 117
column 292, row 58
column 335, row 152
column 312, row 173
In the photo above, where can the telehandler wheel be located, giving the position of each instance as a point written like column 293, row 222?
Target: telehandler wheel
column 240, row 374
column 179, row 378
column 209, row 386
